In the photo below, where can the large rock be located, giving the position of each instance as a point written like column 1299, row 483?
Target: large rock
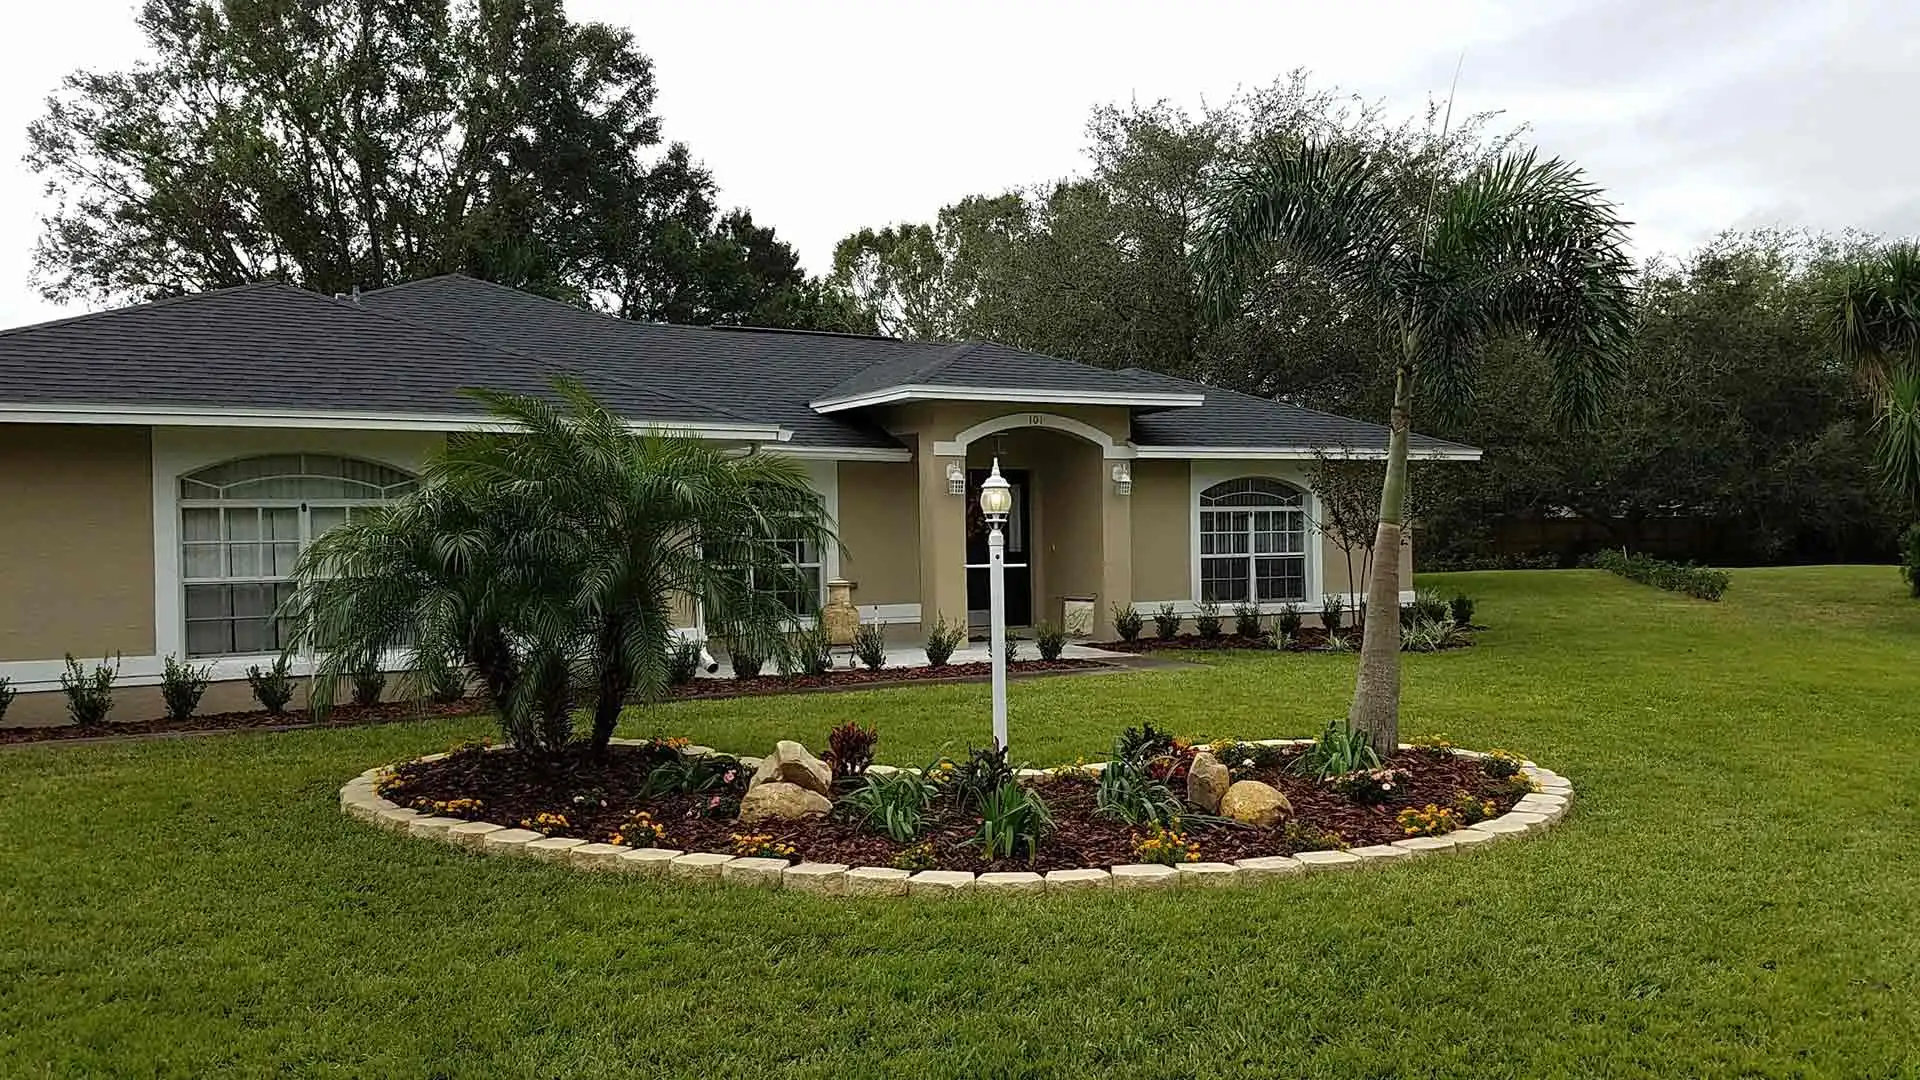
column 791, row 764
column 777, row 801
column 1207, row 782
column 1251, row 802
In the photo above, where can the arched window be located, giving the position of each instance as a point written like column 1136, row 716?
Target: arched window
column 1253, row 542
column 243, row 525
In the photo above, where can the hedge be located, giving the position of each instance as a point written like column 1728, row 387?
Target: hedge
column 1703, row 582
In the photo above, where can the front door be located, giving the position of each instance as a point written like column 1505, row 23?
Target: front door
column 1019, row 548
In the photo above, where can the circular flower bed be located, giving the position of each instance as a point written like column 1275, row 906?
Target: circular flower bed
column 1160, row 812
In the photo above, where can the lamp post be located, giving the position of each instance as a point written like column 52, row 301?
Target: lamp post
column 996, row 502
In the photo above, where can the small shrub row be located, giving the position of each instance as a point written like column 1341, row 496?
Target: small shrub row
column 1701, row 582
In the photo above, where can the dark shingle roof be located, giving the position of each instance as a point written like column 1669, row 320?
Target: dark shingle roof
column 1229, row 419
column 989, row 365
column 276, row 347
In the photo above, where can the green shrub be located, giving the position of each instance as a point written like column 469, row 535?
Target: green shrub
column 1127, row 622
column 1431, row 635
column 181, row 687
column 870, row 645
column 1011, row 651
column 272, row 687
column 985, row 771
column 7, row 694
column 942, row 639
column 1207, row 622
column 745, row 665
column 1288, row 622
column 89, row 693
column 850, row 748
column 1142, row 744
column 1013, row 818
column 1700, row 582
column 1127, row 793
column 445, row 683
column 368, row 683
column 1333, row 611
column 1339, row 750
column 683, row 663
column 916, row 858
column 1246, row 620
column 1460, row 609
column 892, row 803
column 1431, row 607
column 1050, row 640
column 1166, row 621
column 1910, row 558
column 1370, row 786
column 813, row 650
column 705, row 774
column 1244, row 758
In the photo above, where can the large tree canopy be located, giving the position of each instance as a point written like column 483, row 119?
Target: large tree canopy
column 334, row 143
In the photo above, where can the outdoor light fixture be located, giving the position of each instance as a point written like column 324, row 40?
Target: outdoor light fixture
column 996, row 502
column 956, row 478
column 1122, row 479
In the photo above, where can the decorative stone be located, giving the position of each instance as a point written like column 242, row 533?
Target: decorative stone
column 696, row 751
column 1499, row 828
column 365, row 811
column 1251, row 802
column 751, row 764
column 1533, row 822
column 1269, row 866
column 1551, row 811
column 552, row 848
column 469, row 834
column 1145, row 876
column 597, row 856
column 761, row 873
column 939, row 882
column 1070, row 880
column 699, row 864
column 396, row 818
column 652, row 861
column 1427, row 845
column 432, row 828
column 791, row 764
column 1010, row 881
column 508, row 841
column 1470, row 837
column 1207, row 874
column 876, row 881
column 1207, row 782
column 778, row 801
column 821, row 879
column 1327, row 860
column 1381, row 854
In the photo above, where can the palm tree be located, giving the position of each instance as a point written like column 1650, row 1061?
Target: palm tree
column 546, row 560
column 1873, row 315
column 1515, row 245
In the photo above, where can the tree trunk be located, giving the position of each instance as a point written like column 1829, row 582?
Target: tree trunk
column 1376, row 690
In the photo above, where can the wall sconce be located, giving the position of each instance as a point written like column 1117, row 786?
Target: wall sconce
column 956, row 478
column 1122, row 479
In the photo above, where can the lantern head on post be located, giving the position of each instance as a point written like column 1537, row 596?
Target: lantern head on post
column 996, row 495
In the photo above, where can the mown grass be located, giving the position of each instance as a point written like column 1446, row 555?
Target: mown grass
column 1734, row 893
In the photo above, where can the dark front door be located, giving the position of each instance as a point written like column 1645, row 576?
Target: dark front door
column 1019, row 548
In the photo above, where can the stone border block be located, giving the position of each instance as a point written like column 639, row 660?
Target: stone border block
column 432, row 828
column 469, row 834
column 597, row 856
column 939, row 882
column 552, row 848
column 1427, row 845
column 1265, row 867
column 760, row 873
column 1144, row 876
column 1380, row 854
column 1010, row 881
column 698, row 865
column 1316, row 861
column 1206, row 875
column 820, row 879
column 1070, row 880
column 651, row 861
column 876, row 881
column 508, row 841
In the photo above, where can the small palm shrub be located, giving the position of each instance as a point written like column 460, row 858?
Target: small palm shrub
column 683, row 663
column 892, row 803
column 1127, row 622
column 272, row 687
column 181, row 687
column 1013, row 819
column 1910, row 558
column 1333, row 612
column 1166, row 621
column 1339, row 750
column 368, row 683
column 1288, row 622
column 1246, row 620
column 1050, row 640
column 7, row 694
column 89, row 693
column 942, row 639
column 870, row 645
column 1207, row 622
column 850, row 748
column 1460, row 609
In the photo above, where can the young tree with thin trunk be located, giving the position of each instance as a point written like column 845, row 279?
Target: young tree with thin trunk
column 1515, row 245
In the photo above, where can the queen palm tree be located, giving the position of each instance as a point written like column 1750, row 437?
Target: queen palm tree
column 1873, row 315
column 1513, row 245
column 546, row 560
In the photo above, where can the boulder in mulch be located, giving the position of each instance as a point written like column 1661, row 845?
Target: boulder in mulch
column 1207, row 782
column 777, row 801
column 791, row 764
column 1251, row 802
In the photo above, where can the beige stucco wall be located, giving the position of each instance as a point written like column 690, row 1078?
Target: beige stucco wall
column 1162, row 530
column 76, row 541
column 879, row 526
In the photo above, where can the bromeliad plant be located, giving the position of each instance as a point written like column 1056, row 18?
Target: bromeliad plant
column 546, row 560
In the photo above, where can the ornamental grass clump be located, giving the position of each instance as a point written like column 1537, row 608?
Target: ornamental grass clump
column 1127, row 793
column 892, row 803
column 1339, row 750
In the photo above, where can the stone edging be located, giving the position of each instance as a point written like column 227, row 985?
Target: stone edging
column 1531, row 815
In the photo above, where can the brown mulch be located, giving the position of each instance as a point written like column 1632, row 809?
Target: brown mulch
column 598, row 794
column 1309, row 639
column 341, row 715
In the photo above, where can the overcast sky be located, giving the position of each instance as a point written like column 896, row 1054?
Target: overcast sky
column 826, row 116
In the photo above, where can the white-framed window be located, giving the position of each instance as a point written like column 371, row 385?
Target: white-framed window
column 805, row 556
column 243, row 525
column 1253, row 542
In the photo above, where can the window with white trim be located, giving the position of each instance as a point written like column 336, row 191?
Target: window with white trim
column 1253, row 542
column 804, row 555
column 243, row 525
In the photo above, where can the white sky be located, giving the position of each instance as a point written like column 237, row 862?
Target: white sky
column 823, row 117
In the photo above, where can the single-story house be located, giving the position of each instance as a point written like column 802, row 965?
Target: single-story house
column 162, row 465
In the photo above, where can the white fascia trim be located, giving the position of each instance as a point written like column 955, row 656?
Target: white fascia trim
column 843, row 453
column 200, row 416
column 1190, row 608
column 1295, row 453
column 893, row 394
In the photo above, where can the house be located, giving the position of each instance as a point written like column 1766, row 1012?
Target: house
column 161, row 466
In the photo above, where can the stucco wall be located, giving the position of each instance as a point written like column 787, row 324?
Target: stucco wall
column 1162, row 530
column 76, row 541
column 879, row 526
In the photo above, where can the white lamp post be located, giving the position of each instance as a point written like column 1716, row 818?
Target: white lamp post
column 996, row 502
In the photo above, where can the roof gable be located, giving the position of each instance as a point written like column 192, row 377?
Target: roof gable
column 994, row 372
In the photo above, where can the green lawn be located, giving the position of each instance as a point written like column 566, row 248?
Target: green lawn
column 1736, row 892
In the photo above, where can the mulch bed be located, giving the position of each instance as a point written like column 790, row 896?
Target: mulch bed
column 1309, row 639
column 597, row 794
column 341, row 715
column 845, row 677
